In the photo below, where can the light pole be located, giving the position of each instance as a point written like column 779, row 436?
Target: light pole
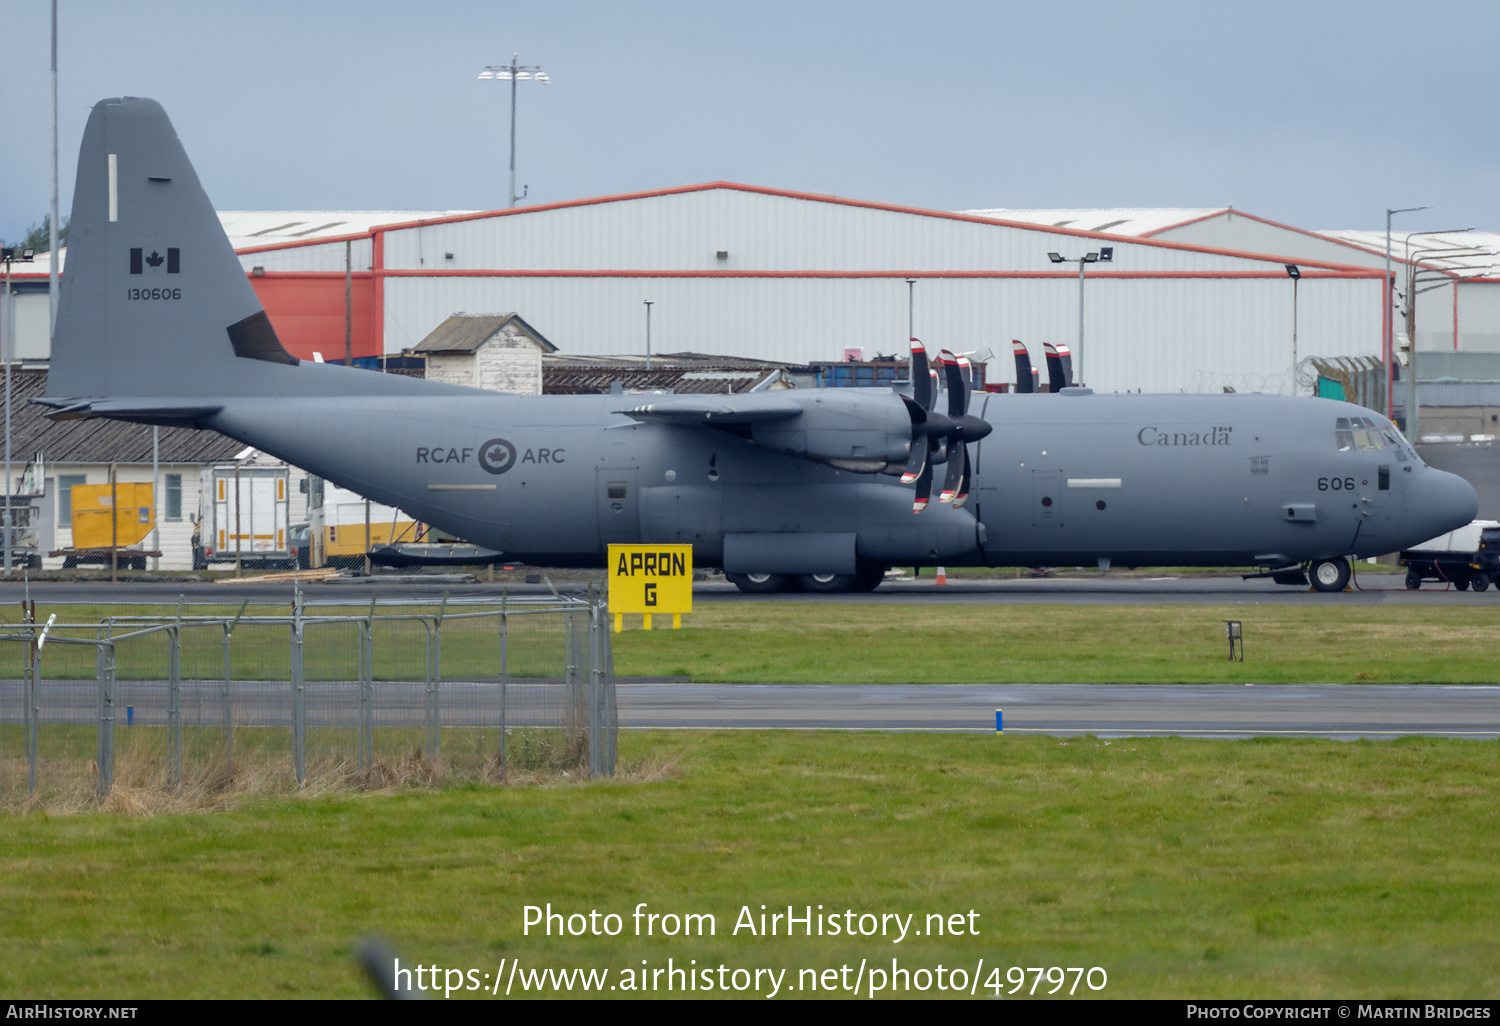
column 7, row 350
column 1105, row 254
column 1389, row 344
column 513, row 73
column 648, row 303
column 1295, row 273
column 1414, row 278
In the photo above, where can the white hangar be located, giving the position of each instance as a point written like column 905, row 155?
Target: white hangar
column 777, row 275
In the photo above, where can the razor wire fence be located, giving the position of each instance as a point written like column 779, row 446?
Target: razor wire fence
column 391, row 692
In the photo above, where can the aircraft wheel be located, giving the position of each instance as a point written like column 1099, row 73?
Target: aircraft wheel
column 758, row 584
column 1413, row 580
column 869, row 578
column 1481, row 582
column 827, row 584
column 1330, row 574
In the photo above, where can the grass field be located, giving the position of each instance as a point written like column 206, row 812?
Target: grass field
column 924, row 644
column 832, row 643
column 1181, row 867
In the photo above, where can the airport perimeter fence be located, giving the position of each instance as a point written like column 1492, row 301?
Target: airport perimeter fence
column 325, row 693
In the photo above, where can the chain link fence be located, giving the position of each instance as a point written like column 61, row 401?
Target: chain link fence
column 406, row 692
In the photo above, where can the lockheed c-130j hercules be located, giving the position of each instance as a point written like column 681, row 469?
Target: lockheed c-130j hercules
column 827, row 487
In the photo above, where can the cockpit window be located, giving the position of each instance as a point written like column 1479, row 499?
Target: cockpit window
column 1358, row 433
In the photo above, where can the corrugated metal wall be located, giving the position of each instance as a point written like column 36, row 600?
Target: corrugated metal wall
column 328, row 256
column 1151, row 334
column 686, row 231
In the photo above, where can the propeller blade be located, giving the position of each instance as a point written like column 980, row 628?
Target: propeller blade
column 963, row 488
column 1055, row 378
column 916, row 462
column 932, row 389
column 1066, row 356
column 958, row 465
column 1024, row 380
column 966, row 371
column 958, row 390
column 924, row 490
column 921, row 383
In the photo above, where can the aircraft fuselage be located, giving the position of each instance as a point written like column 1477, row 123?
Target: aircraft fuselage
column 1064, row 479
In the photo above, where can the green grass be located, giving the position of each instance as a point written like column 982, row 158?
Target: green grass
column 1182, row 867
column 926, row 644
column 780, row 642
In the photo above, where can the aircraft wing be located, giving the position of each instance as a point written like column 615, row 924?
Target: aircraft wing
column 714, row 410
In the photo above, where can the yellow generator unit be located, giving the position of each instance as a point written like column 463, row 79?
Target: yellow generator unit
column 102, row 519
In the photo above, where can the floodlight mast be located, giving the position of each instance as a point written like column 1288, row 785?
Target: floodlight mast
column 513, row 72
column 1105, row 254
column 1389, row 326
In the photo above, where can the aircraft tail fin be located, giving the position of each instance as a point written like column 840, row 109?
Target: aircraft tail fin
column 154, row 301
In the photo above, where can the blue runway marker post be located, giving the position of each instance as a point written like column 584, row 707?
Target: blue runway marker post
column 999, row 721
column 129, row 715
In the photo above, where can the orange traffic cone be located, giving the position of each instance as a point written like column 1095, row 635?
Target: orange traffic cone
column 942, row 575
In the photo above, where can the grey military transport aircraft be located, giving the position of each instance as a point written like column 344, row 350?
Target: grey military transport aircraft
column 822, row 488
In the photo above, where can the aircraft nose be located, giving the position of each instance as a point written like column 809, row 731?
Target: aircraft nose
column 1439, row 502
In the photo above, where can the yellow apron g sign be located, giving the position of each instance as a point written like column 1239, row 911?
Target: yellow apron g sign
column 650, row 579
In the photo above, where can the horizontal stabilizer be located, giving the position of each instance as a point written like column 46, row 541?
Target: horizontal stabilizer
column 167, row 412
column 715, row 410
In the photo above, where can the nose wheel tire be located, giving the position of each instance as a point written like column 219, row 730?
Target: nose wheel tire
column 759, row 584
column 1330, row 574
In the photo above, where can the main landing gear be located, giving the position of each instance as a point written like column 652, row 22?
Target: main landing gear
column 867, row 578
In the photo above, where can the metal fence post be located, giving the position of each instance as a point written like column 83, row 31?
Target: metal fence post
column 611, row 715
column 174, row 701
column 435, row 682
column 299, row 694
column 367, row 691
column 228, row 693
column 504, row 669
column 33, row 717
column 104, row 659
column 596, row 690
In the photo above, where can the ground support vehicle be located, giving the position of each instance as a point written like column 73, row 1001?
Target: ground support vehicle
column 242, row 515
column 1456, row 558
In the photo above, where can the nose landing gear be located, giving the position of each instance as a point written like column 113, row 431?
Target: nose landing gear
column 1329, row 574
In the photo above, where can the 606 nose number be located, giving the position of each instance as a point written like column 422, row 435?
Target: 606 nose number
column 1335, row 484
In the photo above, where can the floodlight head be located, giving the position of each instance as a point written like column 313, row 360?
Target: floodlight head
column 1106, row 254
column 486, row 74
column 541, row 76
column 27, row 254
column 1090, row 258
column 7, row 253
column 522, row 76
column 1293, row 271
column 1056, row 258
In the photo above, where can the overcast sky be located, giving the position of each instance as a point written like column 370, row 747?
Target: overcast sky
column 1317, row 114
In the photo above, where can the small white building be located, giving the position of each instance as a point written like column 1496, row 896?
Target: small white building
column 499, row 352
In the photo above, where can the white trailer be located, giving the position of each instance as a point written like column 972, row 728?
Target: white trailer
column 243, row 515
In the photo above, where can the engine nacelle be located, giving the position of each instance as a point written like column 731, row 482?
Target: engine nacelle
column 864, row 431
